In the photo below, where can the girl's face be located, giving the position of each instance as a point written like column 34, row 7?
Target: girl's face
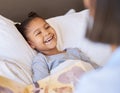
column 41, row 36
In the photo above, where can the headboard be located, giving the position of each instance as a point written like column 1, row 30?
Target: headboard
column 17, row 10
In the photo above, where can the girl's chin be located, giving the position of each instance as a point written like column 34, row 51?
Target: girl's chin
column 52, row 47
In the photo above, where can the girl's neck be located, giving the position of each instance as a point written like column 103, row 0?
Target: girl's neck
column 52, row 52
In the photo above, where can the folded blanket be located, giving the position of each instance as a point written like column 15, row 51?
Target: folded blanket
column 62, row 79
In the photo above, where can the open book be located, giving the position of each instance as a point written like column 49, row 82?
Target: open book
column 62, row 79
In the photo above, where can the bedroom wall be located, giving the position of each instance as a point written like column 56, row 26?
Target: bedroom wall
column 18, row 9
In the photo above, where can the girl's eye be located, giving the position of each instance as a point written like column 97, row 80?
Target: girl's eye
column 47, row 27
column 38, row 33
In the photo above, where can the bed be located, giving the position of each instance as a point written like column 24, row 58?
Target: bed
column 68, row 18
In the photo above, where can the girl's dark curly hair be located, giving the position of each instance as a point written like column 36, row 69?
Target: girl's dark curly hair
column 23, row 26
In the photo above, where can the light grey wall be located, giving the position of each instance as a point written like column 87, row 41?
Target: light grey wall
column 17, row 10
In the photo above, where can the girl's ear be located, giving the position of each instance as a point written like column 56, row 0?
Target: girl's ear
column 31, row 44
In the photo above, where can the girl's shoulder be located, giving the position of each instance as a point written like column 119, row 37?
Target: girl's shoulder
column 39, row 56
column 73, row 50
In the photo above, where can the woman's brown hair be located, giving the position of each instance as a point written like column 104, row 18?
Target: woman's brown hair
column 106, row 27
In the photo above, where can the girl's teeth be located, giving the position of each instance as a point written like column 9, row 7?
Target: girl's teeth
column 48, row 40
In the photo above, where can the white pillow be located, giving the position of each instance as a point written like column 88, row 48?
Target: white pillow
column 14, row 70
column 15, row 53
column 71, row 31
column 71, row 11
column 14, row 47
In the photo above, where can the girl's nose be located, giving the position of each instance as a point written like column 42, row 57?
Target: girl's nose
column 45, row 33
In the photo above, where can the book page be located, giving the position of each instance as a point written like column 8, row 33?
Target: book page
column 62, row 79
column 84, row 65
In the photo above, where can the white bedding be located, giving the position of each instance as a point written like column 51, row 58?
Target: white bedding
column 15, row 71
column 71, row 31
column 16, row 55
